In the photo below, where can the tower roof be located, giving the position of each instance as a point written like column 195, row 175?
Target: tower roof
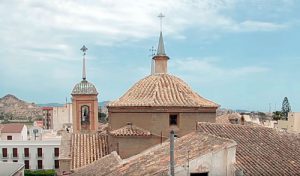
column 162, row 90
column 161, row 47
column 84, row 88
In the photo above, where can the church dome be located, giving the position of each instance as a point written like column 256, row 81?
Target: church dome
column 162, row 90
column 84, row 87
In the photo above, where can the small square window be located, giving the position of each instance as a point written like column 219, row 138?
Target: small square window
column 173, row 120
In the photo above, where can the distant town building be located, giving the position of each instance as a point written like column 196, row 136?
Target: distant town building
column 13, row 131
column 39, row 150
column 291, row 125
column 35, row 155
column 57, row 117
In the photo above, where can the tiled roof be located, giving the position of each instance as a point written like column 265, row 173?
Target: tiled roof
column 225, row 118
column 130, row 130
column 260, row 150
column 155, row 161
column 162, row 90
column 84, row 87
column 99, row 167
column 87, row 148
column 12, row 128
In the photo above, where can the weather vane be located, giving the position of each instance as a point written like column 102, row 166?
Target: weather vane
column 161, row 15
column 84, row 49
column 152, row 50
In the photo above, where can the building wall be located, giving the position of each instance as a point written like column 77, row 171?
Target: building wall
column 294, row 122
column 92, row 102
column 62, row 115
column 129, row 146
column 47, row 148
column 159, row 122
column 218, row 163
column 16, row 136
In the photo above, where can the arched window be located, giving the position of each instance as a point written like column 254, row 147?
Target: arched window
column 85, row 114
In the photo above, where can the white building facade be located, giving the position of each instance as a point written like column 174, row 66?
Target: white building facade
column 35, row 155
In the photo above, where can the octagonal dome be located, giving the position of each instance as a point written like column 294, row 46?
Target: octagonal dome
column 162, row 90
column 84, row 87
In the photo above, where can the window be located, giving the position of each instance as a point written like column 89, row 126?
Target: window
column 173, row 119
column 39, row 152
column 15, row 161
column 85, row 114
column 26, row 152
column 4, row 152
column 56, row 152
column 15, row 152
column 26, row 162
column 9, row 138
column 40, row 164
column 56, row 164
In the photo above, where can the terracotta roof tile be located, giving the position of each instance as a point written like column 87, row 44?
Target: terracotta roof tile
column 260, row 150
column 12, row 128
column 130, row 130
column 99, row 167
column 162, row 90
column 155, row 161
column 87, row 148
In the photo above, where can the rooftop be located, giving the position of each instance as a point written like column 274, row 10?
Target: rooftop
column 130, row 130
column 12, row 128
column 260, row 150
column 87, row 148
column 155, row 161
column 162, row 90
column 84, row 88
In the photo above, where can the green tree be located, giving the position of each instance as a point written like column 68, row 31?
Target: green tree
column 277, row 115
column 286, row 108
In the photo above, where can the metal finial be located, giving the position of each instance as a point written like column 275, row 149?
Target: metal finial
column 152, row 50
column 84, row 49
column 161, row 16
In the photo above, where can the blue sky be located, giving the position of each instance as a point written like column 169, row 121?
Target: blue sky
column 241, row 54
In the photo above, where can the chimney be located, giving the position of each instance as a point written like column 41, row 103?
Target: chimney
column 172, row 160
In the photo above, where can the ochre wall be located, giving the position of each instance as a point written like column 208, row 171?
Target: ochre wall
column 159, row 122
column 92, row 102
column 129, row 146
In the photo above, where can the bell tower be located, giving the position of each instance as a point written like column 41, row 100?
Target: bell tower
column 84, row 103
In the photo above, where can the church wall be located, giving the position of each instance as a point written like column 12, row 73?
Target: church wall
column 77, row 102
column 130, row 146
column 158, row 123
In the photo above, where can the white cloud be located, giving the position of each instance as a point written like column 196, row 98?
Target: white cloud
column 208, row 70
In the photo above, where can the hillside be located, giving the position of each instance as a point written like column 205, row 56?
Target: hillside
column 12, row 108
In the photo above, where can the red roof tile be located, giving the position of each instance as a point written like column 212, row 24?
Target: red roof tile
column 260, row 150
column 130, row 130
column 12, row 128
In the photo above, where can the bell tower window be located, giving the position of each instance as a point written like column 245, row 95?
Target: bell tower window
column 85, row 114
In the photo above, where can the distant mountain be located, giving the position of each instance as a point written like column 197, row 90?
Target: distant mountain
column 12, row 108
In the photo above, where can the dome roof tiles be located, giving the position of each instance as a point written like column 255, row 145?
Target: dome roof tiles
column 162, row 90
column 84, row 87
